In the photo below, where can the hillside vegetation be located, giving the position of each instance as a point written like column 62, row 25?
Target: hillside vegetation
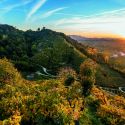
column 113, row 47
column 108, row 74
column 71, row 97
column 51, row 102
column 43, row 47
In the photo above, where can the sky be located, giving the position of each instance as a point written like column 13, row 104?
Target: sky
column 90, row 18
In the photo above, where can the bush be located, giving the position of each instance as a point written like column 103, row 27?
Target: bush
column 8, row 74
column 67, row 75
column 87, row 72
column 87, row 76
column 88, row 84
column 69, row 80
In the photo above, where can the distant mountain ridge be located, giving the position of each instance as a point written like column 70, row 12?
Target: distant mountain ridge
column 82, row 38
column 113, row 45
column 78, row 38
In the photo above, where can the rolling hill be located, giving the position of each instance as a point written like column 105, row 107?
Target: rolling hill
column 30, row 50
column 44, row 47
column 78, row 91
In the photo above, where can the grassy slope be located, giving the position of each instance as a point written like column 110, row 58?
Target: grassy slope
column 37, row 102
column 112, row 78
column 76, row 50
column 106, row 76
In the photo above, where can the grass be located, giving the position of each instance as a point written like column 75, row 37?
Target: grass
column 108, row 77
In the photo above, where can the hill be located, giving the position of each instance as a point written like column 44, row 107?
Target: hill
column 112, row 49
column 69, row 84
column 57, row 101
column 37, row 54
column 43, row 47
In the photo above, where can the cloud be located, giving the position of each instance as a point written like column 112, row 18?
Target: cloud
column 11, row 7
column 108, row 14
column 114, row 16
column 51, row 12
column 108, row 21
column 36, row 8
column 46, row 14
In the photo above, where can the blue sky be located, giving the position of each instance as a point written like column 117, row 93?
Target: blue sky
column 81, row 17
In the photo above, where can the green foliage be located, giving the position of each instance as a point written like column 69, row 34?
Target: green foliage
column 87, row 84
column 69, row 80
column 8, row 74
column 67, row 75
column 93, row 103
column 50, row 102
column 87, row 76
column 111, row 72
column 43, row 47
column 87, row 72
column 32, row 103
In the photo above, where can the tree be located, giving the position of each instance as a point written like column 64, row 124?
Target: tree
column 87, row 76
column 67, row 75
column 69, row 80
column 38, row 29
column 1, row 37
column 44, row 28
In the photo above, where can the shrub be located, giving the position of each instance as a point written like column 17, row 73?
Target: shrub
column 8, row 74
column 87, row 76
column 69, row 80
column 87, row 86
column 67, row 75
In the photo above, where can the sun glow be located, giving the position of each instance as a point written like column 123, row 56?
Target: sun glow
column 96, row 35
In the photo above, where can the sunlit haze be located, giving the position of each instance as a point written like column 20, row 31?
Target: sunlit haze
column 90, row 18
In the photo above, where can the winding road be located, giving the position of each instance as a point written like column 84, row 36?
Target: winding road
column 45, row 71
column 119, row 91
